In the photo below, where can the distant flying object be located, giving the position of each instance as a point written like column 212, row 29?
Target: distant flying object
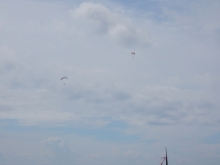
column 133, row 53
column 63, row 78
column 165, row 158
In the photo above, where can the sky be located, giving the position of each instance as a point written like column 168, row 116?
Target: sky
column 115, row 108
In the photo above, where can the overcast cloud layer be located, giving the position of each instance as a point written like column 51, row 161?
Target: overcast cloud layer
column 115, row 108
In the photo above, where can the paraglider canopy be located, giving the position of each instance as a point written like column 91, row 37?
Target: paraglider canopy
column 64, row 78
column 133, row 53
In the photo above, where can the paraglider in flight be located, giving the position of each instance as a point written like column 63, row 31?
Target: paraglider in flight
column 63, row 78
column 133, row 53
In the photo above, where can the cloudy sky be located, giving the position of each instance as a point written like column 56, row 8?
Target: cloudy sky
column 115, row 108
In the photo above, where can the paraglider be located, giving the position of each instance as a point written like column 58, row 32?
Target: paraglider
column 133, row 53
column 63, row 78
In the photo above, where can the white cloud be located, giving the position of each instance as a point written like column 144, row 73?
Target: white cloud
column 109, row 22
column 59, row 152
